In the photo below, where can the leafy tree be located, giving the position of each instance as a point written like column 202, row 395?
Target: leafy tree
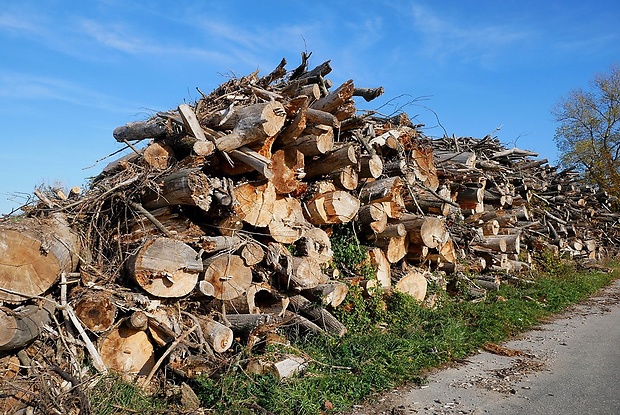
column 588, row 135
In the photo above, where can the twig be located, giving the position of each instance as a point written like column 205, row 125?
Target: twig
column 149, row 216
column 174, row 344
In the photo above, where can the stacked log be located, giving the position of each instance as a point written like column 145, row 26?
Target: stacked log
column 218, row 229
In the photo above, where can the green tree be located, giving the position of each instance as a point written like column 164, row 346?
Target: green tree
column 588, row 135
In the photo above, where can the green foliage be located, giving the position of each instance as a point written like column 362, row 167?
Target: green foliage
column 588, row 135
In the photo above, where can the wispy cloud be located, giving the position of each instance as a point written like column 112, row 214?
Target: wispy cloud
column 20, row 87
column 444, row 38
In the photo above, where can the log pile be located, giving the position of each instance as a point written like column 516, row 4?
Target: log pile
column 218, row 230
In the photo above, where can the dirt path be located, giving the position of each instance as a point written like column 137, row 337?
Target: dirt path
column 570, row 365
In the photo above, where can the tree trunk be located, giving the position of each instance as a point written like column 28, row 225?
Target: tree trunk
column 34, row 253
column 314, row 141
column 306, row 274
column 332, row 207
column 165, row 268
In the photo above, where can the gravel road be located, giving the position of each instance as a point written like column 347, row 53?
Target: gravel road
column 568, row 366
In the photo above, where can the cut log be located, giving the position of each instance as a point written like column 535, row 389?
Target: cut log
column 252, row 253
column 34, row 252
column 158, row 156
column 165, row 268
column 381, row 190
column 128, row 352
column 218, row 336
column 139, row 130
column 342, row 157
column 286, row 366
column 250, row 124
column 371, row 166
column 254, row 160
column 315, row 244
column 306, row 273
column 336, row 99
column 382, row 267
column 395, row 248
column 427, row 230
column 96, row 311
column 287, row 166
column 255, row 203
column 138, row 320
column 413, row 283
column 184, row 187
column 315, row 140
column 288, row 224
column 332, row 293
column 318, row 315
column 345, row 178
column 332, row 207
column 373, row 217
column 212, row 244
column 229, row 276
column 467, row 159
column 23, row 325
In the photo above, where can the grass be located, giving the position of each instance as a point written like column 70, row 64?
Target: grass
column 393, row 340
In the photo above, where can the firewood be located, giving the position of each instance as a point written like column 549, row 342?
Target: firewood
column 165, row 268
column 228, row 274
column 96, row 311
column 249, row 124
column 315, row 243
column 318, row 315
column 337, row 98
column 139, row 130
column 184, row 187
column 34, row 253
column 252, row 253
column 332, row 207
column 381, row 190
column 255, row 203
column 127, row 352
column 23, row 325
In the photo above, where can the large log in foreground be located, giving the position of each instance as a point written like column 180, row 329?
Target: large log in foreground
column 34, row 252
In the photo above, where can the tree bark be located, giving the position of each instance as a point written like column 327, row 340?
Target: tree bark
column 23, row 325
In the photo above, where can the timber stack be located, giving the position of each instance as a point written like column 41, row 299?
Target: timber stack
column 217, row 232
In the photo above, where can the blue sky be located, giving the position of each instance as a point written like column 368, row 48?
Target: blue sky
column 72, row 71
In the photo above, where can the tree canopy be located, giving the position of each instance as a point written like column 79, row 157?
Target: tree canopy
column 588, row 135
